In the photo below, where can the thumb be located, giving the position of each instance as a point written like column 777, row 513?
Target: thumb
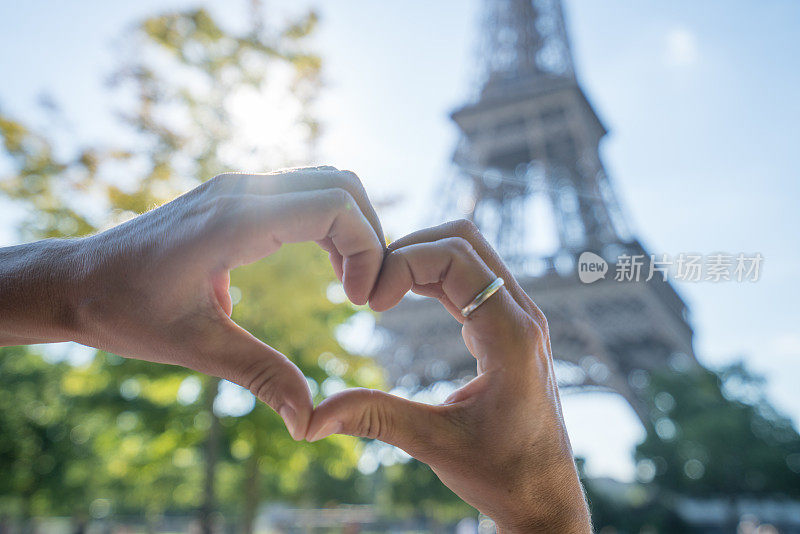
column 416, row 428
column 268, row 374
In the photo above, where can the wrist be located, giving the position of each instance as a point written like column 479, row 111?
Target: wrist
column 554, row 503
column 566, row 520
column 40, row 288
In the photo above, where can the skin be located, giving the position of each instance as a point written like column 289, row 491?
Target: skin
column 156, row 289
column 499, row 442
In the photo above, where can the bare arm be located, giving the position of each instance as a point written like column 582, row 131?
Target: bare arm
column 37, row 291
column 156, row 287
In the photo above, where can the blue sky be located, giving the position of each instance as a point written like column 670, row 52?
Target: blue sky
column 699, row 97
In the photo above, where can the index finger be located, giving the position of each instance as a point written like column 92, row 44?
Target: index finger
column 467, row 230
column 253, row 226
column 453, row 264
column 305, row 179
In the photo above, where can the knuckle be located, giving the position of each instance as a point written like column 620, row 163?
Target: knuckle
column 536, row 317
column 265, row 384
column 339, row 198
column 221, row 221
column 459, row 246
column 350, row 178
column 532, row 329
column 222, row 211
column 224, row 183
column 349, row 181
column 533, row 336
column 541, row 320
column 465, row 228
column 372, row 423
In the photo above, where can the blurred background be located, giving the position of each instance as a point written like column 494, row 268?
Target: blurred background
column 627, row 129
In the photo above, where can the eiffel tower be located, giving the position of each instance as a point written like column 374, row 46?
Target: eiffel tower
column 530, row 147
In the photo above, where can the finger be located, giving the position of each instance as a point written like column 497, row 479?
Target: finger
column 265, row 372
column 334, row 256
column 303, row 179
column 435, row 291
column 220, row 283
column 258, row 225
column 417, row 428
column 466, row 229
column 456, row 267
column 451, row 263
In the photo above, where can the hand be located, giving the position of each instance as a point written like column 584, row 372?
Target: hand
column 156, row 287
column 499, row 442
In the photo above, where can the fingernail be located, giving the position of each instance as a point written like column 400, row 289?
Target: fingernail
column 329, row 428
column 290, row 420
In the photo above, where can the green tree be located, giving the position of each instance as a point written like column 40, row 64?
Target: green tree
column 628, row 508
column 716, row 435
column 189, row 81
column 40, row 428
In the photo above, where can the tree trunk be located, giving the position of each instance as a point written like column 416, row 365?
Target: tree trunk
column 733, row 515
column 251, row 495
column 211, row 457
column 28, row 523
column 79, row 524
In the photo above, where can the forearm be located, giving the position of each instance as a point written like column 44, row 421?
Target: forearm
column 38, row 291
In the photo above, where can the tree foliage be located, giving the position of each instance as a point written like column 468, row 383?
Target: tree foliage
column 716, row 435
column 124, row 436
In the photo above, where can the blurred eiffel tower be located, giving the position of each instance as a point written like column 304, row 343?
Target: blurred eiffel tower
column 528, row 159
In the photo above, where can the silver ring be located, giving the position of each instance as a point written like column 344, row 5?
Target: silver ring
column 483, row 296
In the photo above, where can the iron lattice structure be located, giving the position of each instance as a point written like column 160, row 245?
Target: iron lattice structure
column 532, row 135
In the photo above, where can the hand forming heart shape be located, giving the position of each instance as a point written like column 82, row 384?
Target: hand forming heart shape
column 499, row 442
column 156, row 288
